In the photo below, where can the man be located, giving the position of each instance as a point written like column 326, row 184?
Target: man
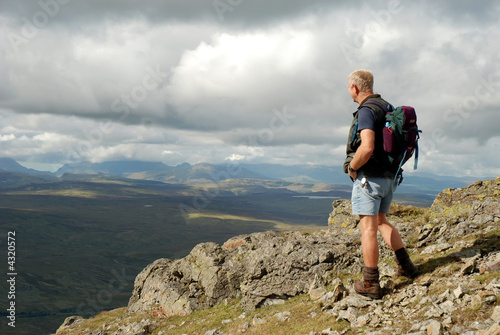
column 374, row 183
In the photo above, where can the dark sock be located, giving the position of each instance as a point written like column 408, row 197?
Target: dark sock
column 370, row 274
column 401, row 255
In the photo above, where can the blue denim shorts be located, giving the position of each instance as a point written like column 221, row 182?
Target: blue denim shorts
column 374, row 197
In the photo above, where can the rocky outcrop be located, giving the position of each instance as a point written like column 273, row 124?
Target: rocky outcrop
column 268, row 268
column 429, row 305
column 461, row 211
column 456, row 241
column 262, row 269
column 477, row 203
column 341, row 215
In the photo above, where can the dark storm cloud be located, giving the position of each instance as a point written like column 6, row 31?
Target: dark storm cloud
column 462, row 13
column 240, row 12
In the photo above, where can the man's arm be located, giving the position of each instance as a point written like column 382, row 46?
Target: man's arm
column 364, row 152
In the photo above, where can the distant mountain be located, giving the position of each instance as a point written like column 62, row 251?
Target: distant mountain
column 10, row 165
column 301, row 173
column 431, row 183
column 198, row 173
column 113, row 168
column 422, row 183
column 184, row 173
column 419, row 182
column 335, row 175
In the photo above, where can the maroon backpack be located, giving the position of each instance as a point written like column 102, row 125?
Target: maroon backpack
column 400, row 134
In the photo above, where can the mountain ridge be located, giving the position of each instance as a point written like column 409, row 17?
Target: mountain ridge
column 10, row 165
column 208, row 173
column 115, row 168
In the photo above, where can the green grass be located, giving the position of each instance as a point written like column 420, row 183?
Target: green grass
column 305, row 315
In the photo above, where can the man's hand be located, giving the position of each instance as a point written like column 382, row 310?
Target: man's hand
column 353, row 175
column 364, row 152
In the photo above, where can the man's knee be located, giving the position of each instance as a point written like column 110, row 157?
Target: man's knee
column 382, row 219
column 368, row 222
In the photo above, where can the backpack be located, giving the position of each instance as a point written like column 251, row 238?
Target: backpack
column 400, row 134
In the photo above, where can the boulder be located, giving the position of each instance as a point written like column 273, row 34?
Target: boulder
column 261, row 268
column 461, row 211
column 341, row 215
column 479, row 203
column 70, row 320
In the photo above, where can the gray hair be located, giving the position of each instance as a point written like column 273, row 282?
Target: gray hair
column 363, row 79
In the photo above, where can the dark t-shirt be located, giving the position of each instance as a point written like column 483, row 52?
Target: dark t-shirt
column 366, row 119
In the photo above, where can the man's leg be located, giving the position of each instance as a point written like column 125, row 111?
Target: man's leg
column 389, row 233
column 393, row 239
column 369, row 243
column 369, row 286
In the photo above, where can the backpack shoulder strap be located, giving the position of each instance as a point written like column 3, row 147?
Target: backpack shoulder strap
column 386, row 108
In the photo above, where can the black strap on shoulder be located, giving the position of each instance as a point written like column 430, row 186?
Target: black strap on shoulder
column 386, row 109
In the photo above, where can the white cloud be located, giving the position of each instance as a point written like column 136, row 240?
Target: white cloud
column 5, row 138
column 237, row 79
column 235, row 157
column 82, row 87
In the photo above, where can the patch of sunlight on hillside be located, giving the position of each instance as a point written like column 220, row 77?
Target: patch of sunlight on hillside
column 109, row 181
column 228, row 217
column 65, row 193
column 278, row 225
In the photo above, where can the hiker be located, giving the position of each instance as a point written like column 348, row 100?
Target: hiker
column 375, row 180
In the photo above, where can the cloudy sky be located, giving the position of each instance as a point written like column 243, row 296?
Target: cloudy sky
column 243, row 80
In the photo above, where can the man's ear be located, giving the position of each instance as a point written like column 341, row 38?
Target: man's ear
column 356, row 89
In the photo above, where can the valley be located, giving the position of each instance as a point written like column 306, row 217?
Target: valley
column 82, row 241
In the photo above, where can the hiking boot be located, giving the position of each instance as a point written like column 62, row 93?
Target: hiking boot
column 407, row 270
column 368, row 289
column 405, row 266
